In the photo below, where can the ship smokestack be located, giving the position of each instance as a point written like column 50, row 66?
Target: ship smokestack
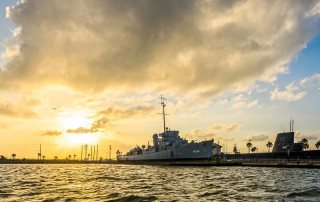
column 155, row 140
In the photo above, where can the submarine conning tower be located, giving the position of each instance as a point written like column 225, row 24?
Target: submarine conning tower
column 284, row 139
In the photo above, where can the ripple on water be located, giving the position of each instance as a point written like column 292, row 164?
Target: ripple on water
column 151, row 183
column 109, row 178
column 313, row 192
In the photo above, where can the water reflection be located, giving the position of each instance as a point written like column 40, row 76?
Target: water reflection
column 156, row 183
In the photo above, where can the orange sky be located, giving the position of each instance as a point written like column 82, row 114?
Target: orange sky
column 92, row 73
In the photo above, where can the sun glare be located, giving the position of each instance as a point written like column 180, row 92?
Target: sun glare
column 75, row 120
column 79, row 139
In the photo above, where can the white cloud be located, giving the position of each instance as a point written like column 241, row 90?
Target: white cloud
column 217, row 131
column 313, row 80
column 290, row 93
column 16, row 32
column 315, row 10
column 201, row 47
column 10, row 52
column 241, row 101
column 8, row 12
column 225, row 127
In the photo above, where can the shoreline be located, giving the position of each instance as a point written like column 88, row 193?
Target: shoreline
column 305, row 165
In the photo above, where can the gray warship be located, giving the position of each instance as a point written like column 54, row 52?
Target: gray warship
column 168, row 145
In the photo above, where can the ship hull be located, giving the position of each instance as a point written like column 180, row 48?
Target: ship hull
column 199, row 150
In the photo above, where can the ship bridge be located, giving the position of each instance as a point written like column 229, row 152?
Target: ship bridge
column 170, row 137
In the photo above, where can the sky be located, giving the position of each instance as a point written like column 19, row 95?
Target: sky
column 91, row 72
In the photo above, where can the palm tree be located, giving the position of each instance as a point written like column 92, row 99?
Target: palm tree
column 13, row 156
column 2, row 157
column 269, row 145
column 249, row 145
column 43, row 157
column 253, row 149
column 55, row 158
column 74, row 156
column 305, row 144
column 318, row 144
column 69, row 156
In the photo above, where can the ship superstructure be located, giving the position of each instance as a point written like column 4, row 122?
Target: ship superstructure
column 168, row 145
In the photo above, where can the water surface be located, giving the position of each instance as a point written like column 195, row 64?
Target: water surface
column 101, row 182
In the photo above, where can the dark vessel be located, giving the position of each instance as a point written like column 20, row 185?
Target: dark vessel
column 168, row 145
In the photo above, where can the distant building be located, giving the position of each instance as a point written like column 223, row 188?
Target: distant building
column 216, row 149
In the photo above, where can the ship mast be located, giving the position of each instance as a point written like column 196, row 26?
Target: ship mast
column 163, row 112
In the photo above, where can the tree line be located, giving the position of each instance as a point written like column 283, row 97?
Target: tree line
column 269, row 145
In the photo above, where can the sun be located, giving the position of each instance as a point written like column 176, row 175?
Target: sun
column 74, row 120
column 80, row 139
column 72, row 139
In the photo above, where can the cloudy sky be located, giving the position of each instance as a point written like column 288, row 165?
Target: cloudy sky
column 76, row 72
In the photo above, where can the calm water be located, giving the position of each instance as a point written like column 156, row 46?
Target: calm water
column 156, row 183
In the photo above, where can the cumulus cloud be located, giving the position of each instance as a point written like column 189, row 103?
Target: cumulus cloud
column 290, row 93
column 226, row 127
column 313, row 80
column 257, row 138
column 10, row 52
column 81, row 130
column 299, row 136
column 97, row 126
column 198, row 134
column 211, row 132
column 241, row 101
column 115, row 113
column 51, row 133
column 199, row 46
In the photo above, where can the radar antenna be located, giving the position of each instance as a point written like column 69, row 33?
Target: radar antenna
column 163, row 104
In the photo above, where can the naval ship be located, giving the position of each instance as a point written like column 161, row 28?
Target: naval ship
column 168, row 145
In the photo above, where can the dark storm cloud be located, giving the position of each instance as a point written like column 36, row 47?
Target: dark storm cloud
column 194, row 46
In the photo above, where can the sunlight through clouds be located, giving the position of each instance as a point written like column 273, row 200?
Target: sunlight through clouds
column 92, row 71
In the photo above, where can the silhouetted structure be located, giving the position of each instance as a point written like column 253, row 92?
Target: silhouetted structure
column 97, row 151
column 283, row 140
column 94, row 152
column 81, row 152
column 86, row 152
column 297, row 146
